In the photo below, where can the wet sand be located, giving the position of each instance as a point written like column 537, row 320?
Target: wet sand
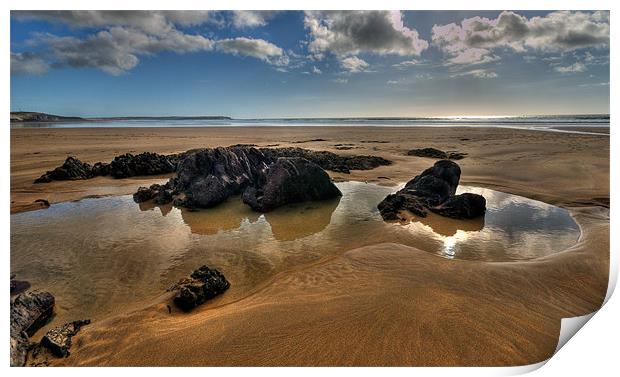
column 384, row 304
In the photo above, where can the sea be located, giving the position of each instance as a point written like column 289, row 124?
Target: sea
column 583, row 124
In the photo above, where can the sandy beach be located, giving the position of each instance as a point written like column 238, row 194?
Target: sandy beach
column 385, row 304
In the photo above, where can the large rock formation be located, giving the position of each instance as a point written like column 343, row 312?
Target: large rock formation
column 290, row 180
column 207, row 177
column 434, row 190
column 29, row 312
column 210, row 176
column 202, row 285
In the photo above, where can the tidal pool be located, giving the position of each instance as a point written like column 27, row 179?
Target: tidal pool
column 108, row 255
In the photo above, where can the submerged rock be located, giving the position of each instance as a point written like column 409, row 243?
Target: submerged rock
column 58, row 339
column 437, row 153
column 202, row 285
column 71, row 169
column 29, row 312
column 290, row 180
column 434, row 190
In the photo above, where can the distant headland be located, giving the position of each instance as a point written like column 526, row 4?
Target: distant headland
column 31, row 116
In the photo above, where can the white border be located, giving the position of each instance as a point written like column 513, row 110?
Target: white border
column 595, row 348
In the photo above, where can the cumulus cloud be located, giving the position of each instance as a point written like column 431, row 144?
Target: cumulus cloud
column 27, row 64
column 346, row 33
column 477, row 73
column 474, row 39
column 573, row 68
column 128, row 35
column 251, row 18
column 116, row 51
column 316, row 71
column 354, row 64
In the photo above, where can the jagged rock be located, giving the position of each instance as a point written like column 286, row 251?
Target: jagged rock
column 436, row 153
column 58, row 339
column 71, row 169
column 29, row 312
column 464, row 206
column 101, row 169
column 147, row 163
column 433, row 190
column 143, row 194
column 290, row 180
column 202, row 285
column 328, row 160
column 210, row 176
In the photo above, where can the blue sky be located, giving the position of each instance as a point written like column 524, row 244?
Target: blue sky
column 310, row 64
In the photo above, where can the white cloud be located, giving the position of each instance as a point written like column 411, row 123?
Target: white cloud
column 340, row 81
column 316, row 71
column 407, row 63
column 393, row 82
column 257, row 48
column 474, row 39
column 27, row 64
column 477, row 73
column 251, row 18
column 346, row 33
column 573, row 68
column 354, row 64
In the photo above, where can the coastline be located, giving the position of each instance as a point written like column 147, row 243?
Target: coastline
column 384, row 304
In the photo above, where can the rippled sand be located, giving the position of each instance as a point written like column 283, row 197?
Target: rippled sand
column 384, row 304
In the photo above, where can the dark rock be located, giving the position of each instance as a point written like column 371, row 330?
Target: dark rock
column 290, row 180
column 101, row 169
column 71, row 169
column 58, row 339
column 464, row 206
column 163, row 196
column 147, row 163
column 18, row 286
column 328, row 160
column 210, row 176
column 433, row 190
column 143, row 194
column 202, row 285
column 29, row 312
column 436, row 153
column 44, row 202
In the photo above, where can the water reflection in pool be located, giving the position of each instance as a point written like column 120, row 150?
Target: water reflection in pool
column 108, row 255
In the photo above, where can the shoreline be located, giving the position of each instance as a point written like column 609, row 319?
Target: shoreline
column 384, row 304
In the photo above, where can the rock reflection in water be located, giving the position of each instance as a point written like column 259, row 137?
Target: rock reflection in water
column 109, row 255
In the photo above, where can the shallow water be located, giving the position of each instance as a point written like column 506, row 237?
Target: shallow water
column 108, row 255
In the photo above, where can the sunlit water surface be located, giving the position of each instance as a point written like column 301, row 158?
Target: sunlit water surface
column 108, row 255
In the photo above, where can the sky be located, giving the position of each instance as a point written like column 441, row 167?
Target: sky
column 266, row 64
